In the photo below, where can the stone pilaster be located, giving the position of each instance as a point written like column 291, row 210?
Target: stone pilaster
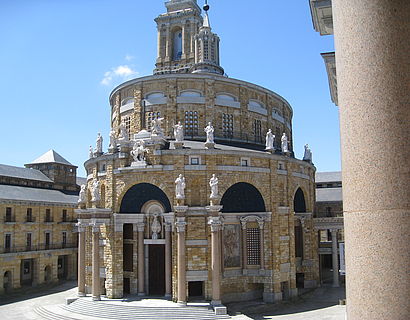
column 216, row 227
column 180, row 225
column 168, row 273
column 96, row 295
column 141, row 267
column 335, row 260
column 81, row 260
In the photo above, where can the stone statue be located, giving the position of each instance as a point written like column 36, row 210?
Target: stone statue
column 270, row 139
column 179, row 132
column 95, row 191
column 138, row 151
column 113, row 140
column 284, row 140
column 156, row 127
column 123, row 132
column 180, row 187
column 209, row 133
column 155, row 227
column 308, row 153
column 82, row 197
column 213, row 183
column 91, row 152
column 98, row 143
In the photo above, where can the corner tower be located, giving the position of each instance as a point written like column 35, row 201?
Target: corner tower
column 176, row 36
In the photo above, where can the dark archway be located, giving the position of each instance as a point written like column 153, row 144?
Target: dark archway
column 299, row 204
column 242, row 197
column 139, row 194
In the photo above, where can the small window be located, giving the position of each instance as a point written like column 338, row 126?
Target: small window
column 29, row 217
column 48, row 216
column 28, row 241
column 245, row 162
column 26, row 267
column 64, row 217
column 253, row 246
column 328, row 211
column 64, row 239
column 7, row 242
column 194, row 160
column 47, row 241
column 8, row 215
column 257, row 130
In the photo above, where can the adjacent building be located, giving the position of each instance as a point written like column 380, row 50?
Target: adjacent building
column 37, row 222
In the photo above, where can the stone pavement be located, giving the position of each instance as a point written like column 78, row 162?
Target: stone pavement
column 320, row 304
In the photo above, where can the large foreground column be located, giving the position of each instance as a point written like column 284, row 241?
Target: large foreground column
column 81, row 260
column 96, row 295
column 335, row 259
column 373, row 74
column 216, row 227
column 181, row 294
column 141, row 269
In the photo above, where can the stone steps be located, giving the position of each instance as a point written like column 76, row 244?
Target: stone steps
column 123, row 312
column 46, row 314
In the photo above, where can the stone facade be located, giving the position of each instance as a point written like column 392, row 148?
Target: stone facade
column 234, row 246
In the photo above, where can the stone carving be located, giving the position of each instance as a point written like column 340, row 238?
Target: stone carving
column 91, row 152
column 155, row 227
column 213, row 183
column 95, row 191
column 285, row 146
column 123, row 132
column 179, row 132
column 156, row 127
column 138, row 151
column 270, row 139
column 180, row 187
column 232, row 245
column 308, row 154
column 82, row 197
column 113, row 140
column 209, row 133
column 98, row 144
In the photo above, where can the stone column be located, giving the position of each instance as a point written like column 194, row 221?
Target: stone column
column 335, row 260
column 96, row 295
column 81, row 260
column 141, row 268
column 181, row 294
column 244, row 248
column 168, row 42
column 262, row 244
column 216, row 227
column 168, row 273
column 373, row 75
column 183, row 42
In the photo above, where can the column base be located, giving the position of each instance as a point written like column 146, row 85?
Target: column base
column 181, row 303
column 168, row 296
column 96, row 298
column 141, row 294
column 216, row 303
column 81, row 294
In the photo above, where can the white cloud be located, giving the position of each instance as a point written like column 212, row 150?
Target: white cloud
column 120, row 73
column 129, row 57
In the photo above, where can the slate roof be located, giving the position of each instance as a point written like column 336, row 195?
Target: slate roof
column 19, row 193
column 329, row 195
column 80, row 181
column 51, row 156
column 23, row 173
column 334, row 176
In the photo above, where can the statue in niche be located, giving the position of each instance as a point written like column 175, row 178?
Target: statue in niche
column 155, row 227
column 82, row 197
column 138, row 151
column 95, row 191
column 98, row 143
column 285, row 146
column 213, row 183
column 308, row 153
column 91, row 152
column 113, row 140
column 123, row 132
column 156, row 127
column 270, row 139
column 179, row 132
column 180, row 187
column 209, row 133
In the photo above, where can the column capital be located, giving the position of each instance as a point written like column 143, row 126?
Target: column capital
column 213, row 209
column 333, row 231
column 95, row 227
column 168, row 226
column 140, row 226
column 180, row 224
column 215, row 223
column 81, row 226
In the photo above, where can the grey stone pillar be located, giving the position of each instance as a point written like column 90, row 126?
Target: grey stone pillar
column 216, row 227
column 262, row 244
column 95, row 291
column 168, row 273
column 81, row 260
column 335, row 259
column 181, row 294
column 373, row 74
column 141, row 268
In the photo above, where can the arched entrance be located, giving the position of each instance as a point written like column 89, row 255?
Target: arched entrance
column 48, row 274
column 7, row 281
column 242, row 197
column 146, row 205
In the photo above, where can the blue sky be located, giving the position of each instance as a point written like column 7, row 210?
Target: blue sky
column 59, row 61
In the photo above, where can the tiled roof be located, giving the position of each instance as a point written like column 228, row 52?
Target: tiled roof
column 18, row 193
column 23, row 173
column 51, row 157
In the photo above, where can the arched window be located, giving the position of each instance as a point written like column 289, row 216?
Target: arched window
column 139, row 194
column 177, row 45
column 242, row 197
column 299, row 204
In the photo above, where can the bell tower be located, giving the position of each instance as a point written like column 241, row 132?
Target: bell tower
column 176, row 36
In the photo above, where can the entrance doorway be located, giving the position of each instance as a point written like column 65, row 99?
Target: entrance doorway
column 26, row 275
column 62, row 267
column 156, row 270
column 195, row 290
column 47, row 274
column 7, row 281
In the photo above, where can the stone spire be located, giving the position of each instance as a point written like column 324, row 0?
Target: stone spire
column 206, row 48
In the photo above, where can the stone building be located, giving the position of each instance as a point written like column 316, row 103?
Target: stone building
column 190, row 201
column 37, row 220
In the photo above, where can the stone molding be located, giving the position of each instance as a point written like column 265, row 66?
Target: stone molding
column 180, row 224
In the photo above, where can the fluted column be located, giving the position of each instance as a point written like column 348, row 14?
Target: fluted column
column 96, row 294
column 335, row 261
column 181, row 294
column 373, row 75
column 216, row 227
column 168, row 274
column 141, row 268
column 81, row 260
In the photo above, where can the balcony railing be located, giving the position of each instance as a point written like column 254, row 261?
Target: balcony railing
column 11, row 218
column 40, row 247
